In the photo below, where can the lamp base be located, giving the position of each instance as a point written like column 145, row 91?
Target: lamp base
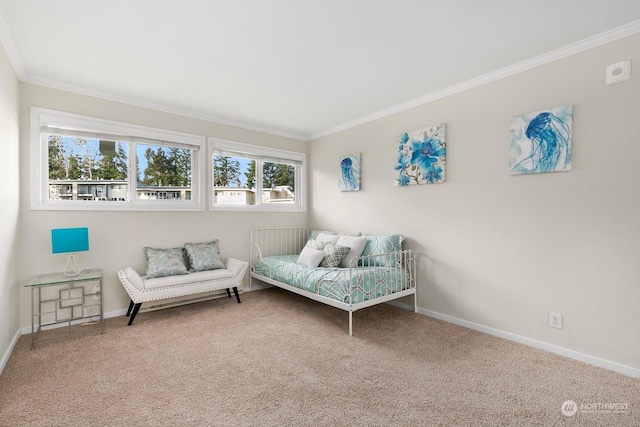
column 71, row 268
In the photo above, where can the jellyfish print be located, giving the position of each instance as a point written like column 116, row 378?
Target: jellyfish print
column 349, row 173
column 541, row 142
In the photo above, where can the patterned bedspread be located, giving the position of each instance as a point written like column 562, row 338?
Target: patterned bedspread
column 362, row 283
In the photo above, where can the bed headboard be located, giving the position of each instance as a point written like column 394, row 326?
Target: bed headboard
column 274, row 241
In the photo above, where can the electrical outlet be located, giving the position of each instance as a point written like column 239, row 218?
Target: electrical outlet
column 555, row 320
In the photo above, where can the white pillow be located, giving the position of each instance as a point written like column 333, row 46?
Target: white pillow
column 310, row 257
column 327, row 238
column 315, row 244
column 356, row 243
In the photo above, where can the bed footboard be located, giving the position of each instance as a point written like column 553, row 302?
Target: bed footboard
column 392, row 272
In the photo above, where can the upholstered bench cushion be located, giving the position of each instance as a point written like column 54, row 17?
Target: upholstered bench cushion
column 146, row 290
column 163, row 282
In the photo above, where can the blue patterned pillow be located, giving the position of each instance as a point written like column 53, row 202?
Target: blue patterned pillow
column 383, row 244
column 333, row 255
column 204, row 256
column 314, row 234
column 164, row 262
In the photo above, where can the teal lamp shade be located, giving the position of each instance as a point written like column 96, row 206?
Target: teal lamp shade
column 65, row 240
column 70, row 240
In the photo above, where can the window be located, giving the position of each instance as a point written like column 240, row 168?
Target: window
column 83, row 163
column 249, row 177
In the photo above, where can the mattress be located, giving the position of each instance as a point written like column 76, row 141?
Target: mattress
column 362, row 283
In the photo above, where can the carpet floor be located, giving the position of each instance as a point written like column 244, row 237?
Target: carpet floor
column 279, row 359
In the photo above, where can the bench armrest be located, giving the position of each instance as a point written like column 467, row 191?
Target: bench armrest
column 134, row 278
column 235, row 266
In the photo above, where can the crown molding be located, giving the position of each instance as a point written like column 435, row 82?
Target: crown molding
column 554, row 55
column 563, row 52
column 165, row 108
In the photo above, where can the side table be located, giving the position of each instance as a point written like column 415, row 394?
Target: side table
column 58, row 299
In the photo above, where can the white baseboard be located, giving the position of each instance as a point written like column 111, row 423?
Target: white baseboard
column 258, row 287
column 571, row 354
column 27, row 329
column 7, row 354
column 115, row 313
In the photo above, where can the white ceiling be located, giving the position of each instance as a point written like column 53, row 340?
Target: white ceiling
column 297, row 68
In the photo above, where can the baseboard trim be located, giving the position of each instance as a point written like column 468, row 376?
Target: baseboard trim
column 258, row 287
column 571, row 354
column 7, row 354
column 150, row 307
column 27, row 329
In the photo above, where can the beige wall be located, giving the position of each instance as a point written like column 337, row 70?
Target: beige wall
column 495, row 250
column 503, row 251
column 9, row 175
column 117, row 238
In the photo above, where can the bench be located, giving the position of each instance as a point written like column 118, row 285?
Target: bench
column 142, row 290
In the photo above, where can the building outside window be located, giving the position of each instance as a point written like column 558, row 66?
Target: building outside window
column 249, row 177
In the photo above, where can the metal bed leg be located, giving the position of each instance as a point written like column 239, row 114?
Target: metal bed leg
column 350, row 323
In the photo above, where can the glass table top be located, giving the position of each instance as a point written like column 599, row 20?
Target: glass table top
column 55, row 278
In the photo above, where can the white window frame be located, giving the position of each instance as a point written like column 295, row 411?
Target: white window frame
column 258, row 152
column 43, row 119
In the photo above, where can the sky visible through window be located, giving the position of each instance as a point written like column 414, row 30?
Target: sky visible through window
column 93, row 145
column 244, row 167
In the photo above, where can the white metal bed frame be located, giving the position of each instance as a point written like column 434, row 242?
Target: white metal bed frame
column 277, row 241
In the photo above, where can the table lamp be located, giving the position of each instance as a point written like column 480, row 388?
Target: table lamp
column 70, row 240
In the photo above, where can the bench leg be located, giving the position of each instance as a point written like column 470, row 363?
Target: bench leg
column 135, row 311
column 235, row 292
column 228, row 292
column 130, row 308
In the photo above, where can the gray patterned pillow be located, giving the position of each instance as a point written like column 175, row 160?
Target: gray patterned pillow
column 204, row 256
column 164, row 262
column 333, row 255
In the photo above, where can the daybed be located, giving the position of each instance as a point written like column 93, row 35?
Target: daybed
column 374, row 268
column 168, row 276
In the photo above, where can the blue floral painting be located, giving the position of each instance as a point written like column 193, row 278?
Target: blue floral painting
column 541, row 141
column 349, row 179
column 421, row 156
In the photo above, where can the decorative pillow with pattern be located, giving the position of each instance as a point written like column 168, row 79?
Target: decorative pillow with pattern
column 204, row 256
column 383, row 244
column 164, row 262
column 314, row 234
column 333, row 255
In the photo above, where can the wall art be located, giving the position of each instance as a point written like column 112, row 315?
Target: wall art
column 421, row 156
column 349, row 179
column 541, row 141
